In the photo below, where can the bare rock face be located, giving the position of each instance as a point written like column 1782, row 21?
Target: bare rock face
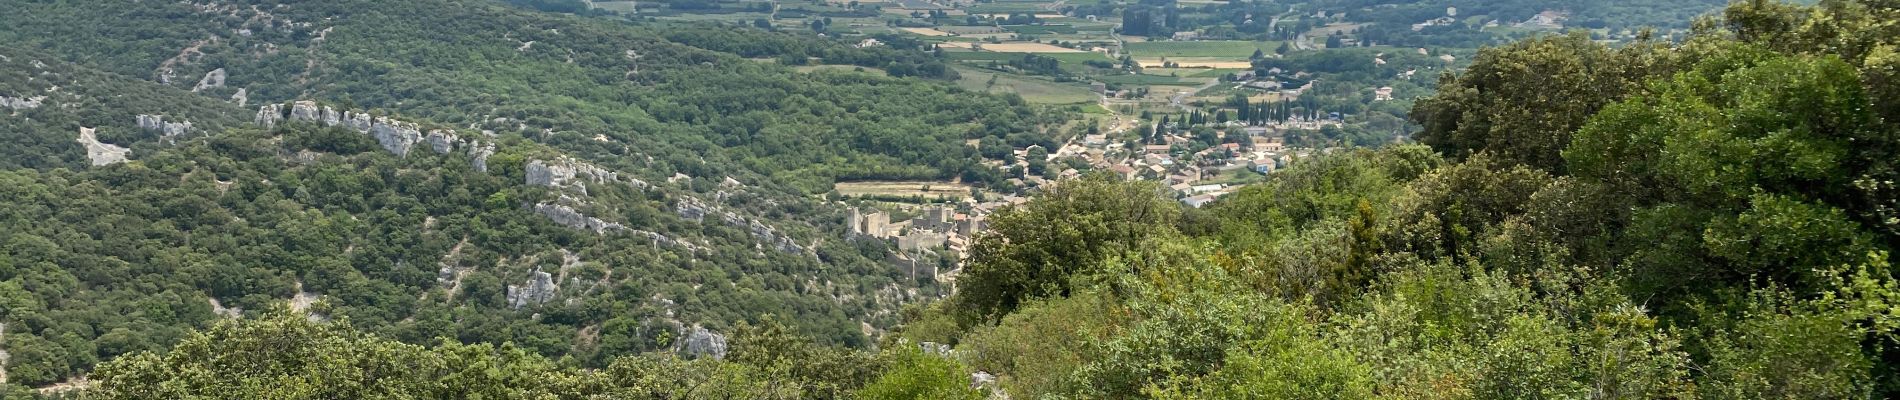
column 478, row 154
column 694, row 209
column 934, row 348
column 691, row 208
column 663, row 240
column 157, row 123
column 568, row 216
column 565, row 173
column 213, row 79
column 242, row 96
column 542, row 173
column 151, row 122
column 331, row 117
column 594, row 173
column 358, row 121
column 396, row 136
column 700, row 342
column 4, row 357
column 269, row 115
column 442, row 141
column 538, row 289
column 21, row 103
column 304, row 110
column 980, row 380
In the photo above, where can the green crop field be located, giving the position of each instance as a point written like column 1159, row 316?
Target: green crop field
column 1040, row 29
column 1146, row 80
column 1234, row 49
column 615, row 6
column 1006, row 8
column 1033, row 90
column 1066, row 58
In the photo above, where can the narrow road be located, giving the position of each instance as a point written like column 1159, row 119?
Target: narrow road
column 1056, row 6
column 1179, row 98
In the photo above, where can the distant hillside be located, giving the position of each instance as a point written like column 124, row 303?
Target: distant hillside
column 447, row 169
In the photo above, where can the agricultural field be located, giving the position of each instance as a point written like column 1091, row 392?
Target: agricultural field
column 917, row 5
column 1194, row 62
column 615, row 6
column 927, row 31
column 1023, row 47
column 970, row 30
column 1151, row 80
column 1320, row 33
column 927, row 189
column 1041, row 29
column 837, row 67
column 1223, row 49
column 988, row 54
column 1006, row 8
column 1032, row 89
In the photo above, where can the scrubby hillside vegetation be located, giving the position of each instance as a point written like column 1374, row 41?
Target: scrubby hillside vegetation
column 583, row 188
column 1705, row 218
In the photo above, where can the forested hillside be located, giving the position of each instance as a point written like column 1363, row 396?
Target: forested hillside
column 583, row 188
column 1710, row 217
column 651, row 90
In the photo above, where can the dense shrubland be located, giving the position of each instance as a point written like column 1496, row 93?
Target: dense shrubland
column 1709, row 218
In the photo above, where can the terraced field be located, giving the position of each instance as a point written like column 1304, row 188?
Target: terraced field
column 1227, row 49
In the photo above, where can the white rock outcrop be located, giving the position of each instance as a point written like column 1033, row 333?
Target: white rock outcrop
column 156, row 123
column 331, row 117
column 304, row 111
column 539, row 288
column 358, row 121
column 18, row 103
column 567, row 173
column 478, row 155
column 395, row 136
column 4, row 357
column 269, row 115
column 568, row 216
column 442, row 141
column 694, row 209
column 543, row 173
column 700, row 342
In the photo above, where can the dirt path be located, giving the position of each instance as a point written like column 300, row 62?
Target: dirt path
column 101, row 153
column 1179, row 98
column 69, row 385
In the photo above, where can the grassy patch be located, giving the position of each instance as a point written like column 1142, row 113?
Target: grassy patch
column 838, row 67
column 1040, row 29
column 1143, row 79
column 929, row 190
column 1228, row 49
column 1077, row 58
column 1006, row 8
column 1032, row 89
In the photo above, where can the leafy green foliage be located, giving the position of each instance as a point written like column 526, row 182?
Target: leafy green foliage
column 1686, row 220
column 1702, row 219
column 917, row 375
column 1522, row 102
column 1024, row 256
column 681, row 94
